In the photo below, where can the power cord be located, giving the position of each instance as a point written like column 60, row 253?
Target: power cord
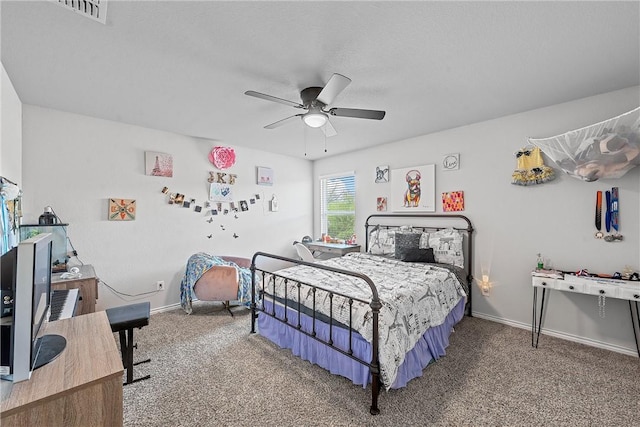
column 120, row 294
column 75, row 253
column 115, row 291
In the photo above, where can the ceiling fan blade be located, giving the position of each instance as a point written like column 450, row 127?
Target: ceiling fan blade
column 360, row 114
column 334, row 86
column 273, row 98
column 329, row 130
column 282, row 122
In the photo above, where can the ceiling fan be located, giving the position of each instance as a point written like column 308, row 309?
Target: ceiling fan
column 315, row 100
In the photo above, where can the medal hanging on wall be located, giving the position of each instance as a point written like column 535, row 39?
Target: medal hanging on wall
column 599, row 234
column 607, row 222
column 613, row 218
column 607, row 216
column 614, row 208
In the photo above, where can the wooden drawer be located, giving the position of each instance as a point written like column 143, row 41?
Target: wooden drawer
column 544, row 282
column 630, row 293
column 603, row 289
column 332, row 250
column 561, row 285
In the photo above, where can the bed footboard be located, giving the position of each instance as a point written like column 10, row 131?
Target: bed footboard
column 267, row 286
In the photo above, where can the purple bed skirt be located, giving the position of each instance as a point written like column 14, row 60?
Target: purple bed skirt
column 431, row 346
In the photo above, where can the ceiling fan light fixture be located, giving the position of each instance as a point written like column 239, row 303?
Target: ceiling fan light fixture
column 315, row 119
column 314, row 100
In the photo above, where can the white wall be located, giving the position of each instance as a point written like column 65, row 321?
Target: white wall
column 10, row 131
column 76, row 163
column 514, row 223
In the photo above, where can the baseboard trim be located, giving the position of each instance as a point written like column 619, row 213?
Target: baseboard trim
column 172, row 307
column 165, row 308
column 561, row 335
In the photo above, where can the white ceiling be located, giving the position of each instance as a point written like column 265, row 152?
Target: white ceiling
column 183, row 66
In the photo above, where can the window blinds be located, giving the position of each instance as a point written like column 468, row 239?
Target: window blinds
column 337, row 205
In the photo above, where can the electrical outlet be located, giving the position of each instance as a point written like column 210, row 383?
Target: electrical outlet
column 160, row 285
column 485, row 290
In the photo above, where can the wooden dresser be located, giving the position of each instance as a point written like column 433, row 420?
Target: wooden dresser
column 82, row 387
column 87, row 284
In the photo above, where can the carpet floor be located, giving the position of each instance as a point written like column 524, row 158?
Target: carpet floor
column 208, row 370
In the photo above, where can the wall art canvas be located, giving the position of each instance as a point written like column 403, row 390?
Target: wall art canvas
column 453, row 201
column 413, row 189
column 382, row 174
column 381, row 204
column 265, row 176
column 451, row 162
column 158, row 164
column 122, row 210
column 220, row 192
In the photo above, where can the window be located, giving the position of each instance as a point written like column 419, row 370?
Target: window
column 338, row 205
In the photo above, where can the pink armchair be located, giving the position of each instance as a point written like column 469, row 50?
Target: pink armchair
column 220, row 282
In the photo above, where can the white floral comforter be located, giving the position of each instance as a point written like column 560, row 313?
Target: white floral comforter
column 414, row 297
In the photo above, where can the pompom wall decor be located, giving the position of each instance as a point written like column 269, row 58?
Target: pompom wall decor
column 222, row 157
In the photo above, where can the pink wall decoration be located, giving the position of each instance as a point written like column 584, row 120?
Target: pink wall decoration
column 453, row 201
column 222, row 157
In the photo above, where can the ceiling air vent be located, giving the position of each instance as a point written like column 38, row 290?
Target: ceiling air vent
column 92, row 9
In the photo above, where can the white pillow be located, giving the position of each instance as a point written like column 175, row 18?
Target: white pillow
column 447, row 246
column 424, row 240
column 382, row 242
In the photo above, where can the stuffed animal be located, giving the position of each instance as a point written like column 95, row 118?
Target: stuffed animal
column 607, row 156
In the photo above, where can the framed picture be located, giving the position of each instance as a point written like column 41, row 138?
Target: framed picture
column 265, row 176
column 158, row 164
column 382, row 174
column 451, row 162
column 453, row 201
column 381, row 204
column 122, row 210
column 220, row 192
column 413, row 189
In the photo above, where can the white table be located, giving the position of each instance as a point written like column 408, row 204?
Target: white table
column 609, row 288
column 337, row 249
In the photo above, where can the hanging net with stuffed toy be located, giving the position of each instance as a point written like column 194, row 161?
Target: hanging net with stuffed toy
column 608, row 149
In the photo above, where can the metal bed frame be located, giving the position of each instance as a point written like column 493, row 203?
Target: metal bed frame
column 468, row 245
column 268, row 278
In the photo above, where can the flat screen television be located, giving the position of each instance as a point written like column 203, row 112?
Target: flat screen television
column 31, row 290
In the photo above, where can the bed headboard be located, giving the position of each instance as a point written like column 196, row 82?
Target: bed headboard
column 428, row 223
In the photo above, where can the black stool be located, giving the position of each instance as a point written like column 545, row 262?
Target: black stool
column 123, row 320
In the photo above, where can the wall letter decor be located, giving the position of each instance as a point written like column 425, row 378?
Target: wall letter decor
column 122, row 210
